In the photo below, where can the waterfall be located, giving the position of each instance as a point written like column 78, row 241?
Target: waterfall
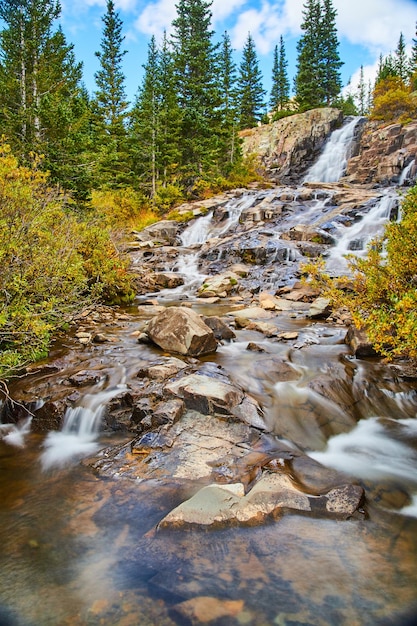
column 331, row 164
column 356, row 238
column 78, row 437
column 407, row 173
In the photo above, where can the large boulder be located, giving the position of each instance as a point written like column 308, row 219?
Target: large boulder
column 182, row 331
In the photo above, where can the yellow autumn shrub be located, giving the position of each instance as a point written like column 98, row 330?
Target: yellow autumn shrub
column 52, row 262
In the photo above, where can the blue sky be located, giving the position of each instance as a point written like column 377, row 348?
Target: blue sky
column 366, row 29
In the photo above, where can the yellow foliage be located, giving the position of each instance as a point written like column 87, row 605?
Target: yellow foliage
column 51, row 262
column 393, row 101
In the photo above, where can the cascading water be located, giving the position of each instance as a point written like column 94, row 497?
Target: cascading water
column 354, row 239
column 197, row 234
column 331, row 164
column 81, row 426
column 90, row 536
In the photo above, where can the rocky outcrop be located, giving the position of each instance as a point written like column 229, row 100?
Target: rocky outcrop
column 383, row 154
column 286, row 148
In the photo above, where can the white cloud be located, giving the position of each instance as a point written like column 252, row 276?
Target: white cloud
column 267, row 24
column 156, row 18
column 222, row 9
column 376, row 24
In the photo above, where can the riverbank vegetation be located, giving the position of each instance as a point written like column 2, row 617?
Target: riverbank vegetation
column 53, row 262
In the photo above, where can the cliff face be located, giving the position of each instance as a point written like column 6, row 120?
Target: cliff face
column 287, row 148
column 382, row 154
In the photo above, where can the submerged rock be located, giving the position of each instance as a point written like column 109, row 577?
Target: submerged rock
column 272, row 495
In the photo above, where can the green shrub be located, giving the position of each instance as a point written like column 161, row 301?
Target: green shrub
column 52, row 263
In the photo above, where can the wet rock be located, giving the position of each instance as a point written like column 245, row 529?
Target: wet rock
column 221, row 330
column 207, row 395
column 49, row 417
column 254, row 312
column 359, row 343
column 181, row 330
column 167, row 280
column 272, row 495
column 165, row 231
column 320, row 308
column 289, row 145
column 167, row 367
column 84, row 378
column 205, row 609
column 269, row 330
column 254, row 347
column 219, row 286
column 383, row 153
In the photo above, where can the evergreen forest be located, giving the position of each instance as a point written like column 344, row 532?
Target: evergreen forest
column 76, row 168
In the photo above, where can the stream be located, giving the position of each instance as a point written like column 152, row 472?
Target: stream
column 82, row 549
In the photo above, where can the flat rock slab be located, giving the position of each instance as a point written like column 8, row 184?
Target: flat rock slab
column 224, row 505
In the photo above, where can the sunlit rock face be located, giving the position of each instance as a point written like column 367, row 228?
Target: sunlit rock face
column 286, row 148
column 383, row 153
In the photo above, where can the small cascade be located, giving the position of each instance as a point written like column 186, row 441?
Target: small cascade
column 14, row 434
column 408, row 174
column 376, row 450
column 355, row 239
column 198, row 232
column 78, row 437
column 331, row 165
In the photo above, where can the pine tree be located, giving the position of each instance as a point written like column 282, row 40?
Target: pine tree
column 230, row 147
column 308, row 81
column 145, row 122
column 195, row 67
column 318, row 80
column 330, row 59
column 110, row 105
column 280, row 91
column 413, row 63
column 400, row 60
column 361, row 94
column 250, row 89
column 43, row 106
column 170, row 117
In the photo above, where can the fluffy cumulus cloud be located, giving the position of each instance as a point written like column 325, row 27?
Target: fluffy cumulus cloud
column 156, row 18
column 376, row 24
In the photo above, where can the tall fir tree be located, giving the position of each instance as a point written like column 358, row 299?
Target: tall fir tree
column 110, row 105
column 230, row 148
column 195, row 56
column 318, row 80
column 280, row 91
column 308, row 81
column 170, row 117
column 401, row 62
column 43, row 106
column 250, row 89
column 413, row 63
column 144, row 124
column 361, row 94
column 330, row 59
